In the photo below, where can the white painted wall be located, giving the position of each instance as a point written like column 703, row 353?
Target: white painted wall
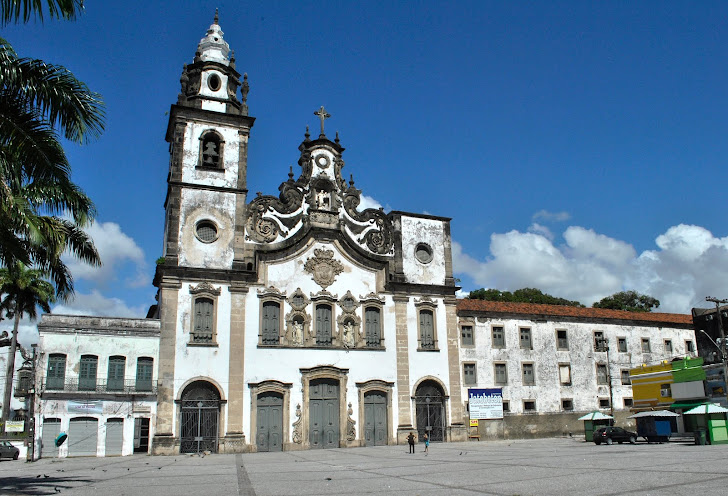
column 417, row 230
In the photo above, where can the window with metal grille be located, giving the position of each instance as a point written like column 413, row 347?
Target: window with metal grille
column 602, row 374
column 599, row 341
column 56, row 374
column 469, row 377
column 87, row 373
column 567, row 404
column 271, row 323
column 625, row 377
column 144, row 371
column 206, row 231
column 529, row 406
column 603, row 402
column 115, row 374
column 628, row 402
column 525, row 333
column 499, row 337
column 204, row 321
column 562, row 341
column 372, row 327
column 427, row 330
column 528, row 376
column 466, row 335
column 501, row 374
column 323, row 325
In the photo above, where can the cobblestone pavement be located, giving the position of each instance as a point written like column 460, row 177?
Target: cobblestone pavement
column 507, row 468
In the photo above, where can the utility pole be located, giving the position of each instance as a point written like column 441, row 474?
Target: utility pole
column 722, row 343
column 31, row 393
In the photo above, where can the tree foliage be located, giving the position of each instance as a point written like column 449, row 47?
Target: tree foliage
column 631, row 301
column 15, row 11
column 524, row 295
column 42, row 212
column 22, row 292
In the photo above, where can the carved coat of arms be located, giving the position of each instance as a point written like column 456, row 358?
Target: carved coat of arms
column 323, row 267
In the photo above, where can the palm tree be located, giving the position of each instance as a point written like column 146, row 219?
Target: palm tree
column 21, row 10
column 42, row 212
column 22, row 291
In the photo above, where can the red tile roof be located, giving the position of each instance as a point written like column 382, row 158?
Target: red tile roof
column 466, row 306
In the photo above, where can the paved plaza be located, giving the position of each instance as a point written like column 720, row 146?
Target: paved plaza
column 523, row 467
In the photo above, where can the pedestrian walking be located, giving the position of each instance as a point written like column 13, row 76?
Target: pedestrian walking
column 411, row 441
column 427, row 443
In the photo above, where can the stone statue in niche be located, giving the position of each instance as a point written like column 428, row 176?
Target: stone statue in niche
column 297, row 334
column 348, row 339
column 322, row 199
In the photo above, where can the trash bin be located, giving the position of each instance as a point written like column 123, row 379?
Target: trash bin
column 700, row 437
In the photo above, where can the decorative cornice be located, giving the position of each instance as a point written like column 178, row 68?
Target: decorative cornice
column 204, row 287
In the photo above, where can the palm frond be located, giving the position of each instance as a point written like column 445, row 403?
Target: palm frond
column 16, row 11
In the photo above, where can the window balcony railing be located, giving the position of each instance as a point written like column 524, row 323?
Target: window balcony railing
column 130, row 386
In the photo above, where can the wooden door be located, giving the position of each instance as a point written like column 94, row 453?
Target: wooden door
column 375, row 418
column 270, row 422
column 324, row 413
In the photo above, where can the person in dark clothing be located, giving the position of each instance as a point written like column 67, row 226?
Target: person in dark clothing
column 411, row 441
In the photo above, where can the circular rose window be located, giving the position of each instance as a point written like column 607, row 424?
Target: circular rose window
column 206, row 231
column 423, row 253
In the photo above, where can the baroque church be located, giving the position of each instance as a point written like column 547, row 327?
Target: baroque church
column 300, row 320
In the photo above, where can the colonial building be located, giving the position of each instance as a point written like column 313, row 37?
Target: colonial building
column 97, row 382
column 292, row 321
column 300, row 320
column 555, row 363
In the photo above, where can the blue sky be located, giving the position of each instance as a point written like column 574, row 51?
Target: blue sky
column 579, row 147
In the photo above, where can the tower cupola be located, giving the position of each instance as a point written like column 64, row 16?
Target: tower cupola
column 213, row 48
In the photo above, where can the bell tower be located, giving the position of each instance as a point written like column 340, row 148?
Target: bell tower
column 208, row 133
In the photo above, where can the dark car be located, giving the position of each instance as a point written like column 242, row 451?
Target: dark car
column 610, row 434
column 7, row 450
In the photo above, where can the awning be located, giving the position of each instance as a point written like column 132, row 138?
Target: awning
column 595, row 415
column 655, row 413
column 687, row 404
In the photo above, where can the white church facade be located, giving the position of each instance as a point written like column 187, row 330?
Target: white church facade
column 283, row 322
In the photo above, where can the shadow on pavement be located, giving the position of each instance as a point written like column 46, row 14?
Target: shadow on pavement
column 39, row 484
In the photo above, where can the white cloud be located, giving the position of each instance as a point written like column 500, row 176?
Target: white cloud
column 94, row 304
column 688, row 264
column 542, row 230
column 368, row 202
column 551, row 216
column 116, row 250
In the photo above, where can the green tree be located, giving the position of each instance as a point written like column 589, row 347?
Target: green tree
column 631, row 301
column 42, row 212
column 22, row 291
column 524, row 295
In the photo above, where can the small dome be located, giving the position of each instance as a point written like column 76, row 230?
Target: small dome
column 213, row 47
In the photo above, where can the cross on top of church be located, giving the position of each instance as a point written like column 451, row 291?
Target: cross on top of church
column 322, row 114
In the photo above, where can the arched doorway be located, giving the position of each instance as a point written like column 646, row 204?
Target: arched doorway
column 375, row 418
column 200, row 418
column 269, row 425
column 430, row 410
column 324, row 413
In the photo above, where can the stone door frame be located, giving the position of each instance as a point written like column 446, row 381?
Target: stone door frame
column 282, row 388
column 386, row 388
column 323, row 372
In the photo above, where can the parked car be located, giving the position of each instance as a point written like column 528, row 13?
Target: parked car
column 610, row 434
column 7, row 450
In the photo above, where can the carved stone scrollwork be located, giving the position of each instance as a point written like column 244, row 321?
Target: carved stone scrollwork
column 204, row 287
column 377, row 229
column 297, row 436
column 323, row 267
column 348, row 303
column 350, row 424
column 260, row 225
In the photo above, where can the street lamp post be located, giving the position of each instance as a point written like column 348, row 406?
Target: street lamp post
column 721, row 346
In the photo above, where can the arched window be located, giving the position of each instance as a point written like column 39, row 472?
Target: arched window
column 204, row 320
column 211, row 150
column 144, row 373
column 271, row 329
column 87, row 373
column 372, row 327
column 56, row 375
column 323, row 325
column 115, row 376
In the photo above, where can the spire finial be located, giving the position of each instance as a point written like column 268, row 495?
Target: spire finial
column 216, row 20
column 290, row 174
column 351, row 180
column 337, row 138
column 322, row 114
column 307, row 135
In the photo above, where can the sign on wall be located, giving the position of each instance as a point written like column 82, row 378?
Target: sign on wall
column 85, row 407
column 485, row 403
column 14, row 426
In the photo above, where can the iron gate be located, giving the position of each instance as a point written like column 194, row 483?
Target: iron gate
column 430, row 411
column 199, row 423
